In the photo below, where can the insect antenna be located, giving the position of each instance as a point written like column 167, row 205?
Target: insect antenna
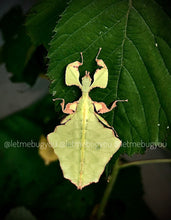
column 98, row 53
column 81, row 57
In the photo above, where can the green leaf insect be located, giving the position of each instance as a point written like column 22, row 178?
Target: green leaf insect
column 84, row 142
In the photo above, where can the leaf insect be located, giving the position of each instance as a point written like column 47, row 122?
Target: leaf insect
column 84, row 142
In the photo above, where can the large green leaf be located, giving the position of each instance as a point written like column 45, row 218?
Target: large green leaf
column 42, row 19
column 136, row 49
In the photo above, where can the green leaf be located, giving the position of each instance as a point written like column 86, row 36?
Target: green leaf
column 42, row 19
column 17, row 212
column 17, row 50
column 136, row 49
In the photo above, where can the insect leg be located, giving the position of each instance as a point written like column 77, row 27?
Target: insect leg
column 102, row 108
column 69, row 108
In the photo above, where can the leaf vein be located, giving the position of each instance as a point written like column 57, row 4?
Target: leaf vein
column 122, row 46
column 81, row 27
column 139, row 94
column 154, row 36
column 155, row 89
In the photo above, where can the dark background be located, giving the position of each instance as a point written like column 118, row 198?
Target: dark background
column 36, row 191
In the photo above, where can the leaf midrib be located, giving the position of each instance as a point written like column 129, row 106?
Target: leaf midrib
column 122, row 56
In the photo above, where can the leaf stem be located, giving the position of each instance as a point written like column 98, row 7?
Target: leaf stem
column 142, row 162
column 117, row 166
column 108, row 190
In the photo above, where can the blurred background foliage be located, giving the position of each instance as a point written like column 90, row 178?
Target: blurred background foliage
column 25, row 180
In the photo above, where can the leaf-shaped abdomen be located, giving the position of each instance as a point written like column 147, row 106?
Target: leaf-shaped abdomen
column 83, row 162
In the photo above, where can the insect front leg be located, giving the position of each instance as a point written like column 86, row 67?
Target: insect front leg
column 101, row 74
column 72, row 73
